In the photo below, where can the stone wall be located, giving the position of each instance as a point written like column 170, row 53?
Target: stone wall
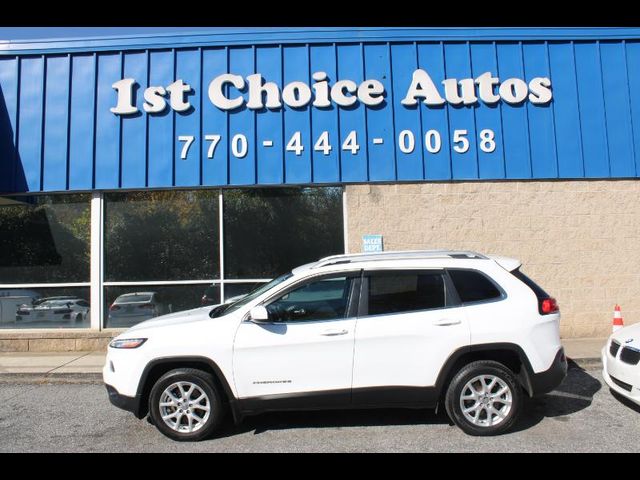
column 580, row 240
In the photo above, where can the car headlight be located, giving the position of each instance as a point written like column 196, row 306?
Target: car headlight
column 127, row 342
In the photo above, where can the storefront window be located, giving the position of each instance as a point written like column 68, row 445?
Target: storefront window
column 168, row 235
column 44, row 239
column 59, row 307
column 268, row 231
column 126, row 306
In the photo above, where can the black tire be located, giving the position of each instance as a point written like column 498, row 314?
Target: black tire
column 454, row 393
column 203, row 381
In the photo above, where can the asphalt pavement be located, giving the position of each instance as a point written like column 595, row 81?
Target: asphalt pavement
column 580, row 416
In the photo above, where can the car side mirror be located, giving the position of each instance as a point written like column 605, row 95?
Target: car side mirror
column 259, row 314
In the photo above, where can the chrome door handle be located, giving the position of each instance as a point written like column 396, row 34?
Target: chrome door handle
column 334, row 332
column 445, row 322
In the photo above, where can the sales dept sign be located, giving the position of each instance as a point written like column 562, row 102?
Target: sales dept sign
column 230, row 92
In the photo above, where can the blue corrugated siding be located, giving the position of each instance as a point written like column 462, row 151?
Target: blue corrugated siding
column 57, row 132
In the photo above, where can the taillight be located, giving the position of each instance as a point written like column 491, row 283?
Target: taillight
column 549, row 305
column 114, row 307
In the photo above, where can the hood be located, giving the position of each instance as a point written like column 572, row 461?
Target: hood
column 632, row 333
column 177, row 318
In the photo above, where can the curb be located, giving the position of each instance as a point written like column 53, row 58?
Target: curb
column 588, row 363
column 41, row 378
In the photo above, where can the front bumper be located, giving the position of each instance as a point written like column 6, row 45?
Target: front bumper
column 623, row 373
column 546, row 381
column 130, row 404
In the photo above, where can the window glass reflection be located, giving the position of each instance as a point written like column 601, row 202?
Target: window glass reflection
column 168, row 235
column 127, row 306
column 45, row 308
column 268, row 231
column 44, row 239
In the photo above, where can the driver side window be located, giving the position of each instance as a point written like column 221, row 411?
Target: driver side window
column 325, row 299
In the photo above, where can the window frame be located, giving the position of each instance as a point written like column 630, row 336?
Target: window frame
column 503, row 293
column 352, row 300
column 452, row 300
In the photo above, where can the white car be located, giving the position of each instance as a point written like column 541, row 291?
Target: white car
column 620, row 357
column 53, row 310
column 418, row 329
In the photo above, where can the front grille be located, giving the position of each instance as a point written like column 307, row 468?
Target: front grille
column 613, row 349
column 623, row 385
column 630, row 356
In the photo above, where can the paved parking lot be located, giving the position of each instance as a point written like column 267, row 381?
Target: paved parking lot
column 581, row 416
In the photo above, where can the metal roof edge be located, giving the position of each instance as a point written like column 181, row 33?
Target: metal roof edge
column 286, row 35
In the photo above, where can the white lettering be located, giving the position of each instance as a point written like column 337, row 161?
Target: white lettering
column 125, row 104
column 321, row 89
column 485, row 85
column 218, row 98
column 256, row 89
column 338, row 95
column 467, row 95
column 154, row 103
column 540, row 90
column 422, row 86
column 513, row 90
column 177, row 92
column 370, row 92
column 296, row 94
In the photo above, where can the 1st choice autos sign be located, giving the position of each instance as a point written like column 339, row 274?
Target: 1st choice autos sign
column 230, row 92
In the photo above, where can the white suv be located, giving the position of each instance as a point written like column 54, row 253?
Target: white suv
column 395, row 329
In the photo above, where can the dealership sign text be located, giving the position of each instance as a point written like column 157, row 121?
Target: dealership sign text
column 226, row 93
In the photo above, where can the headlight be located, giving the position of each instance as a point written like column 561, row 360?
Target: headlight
column 127, row 342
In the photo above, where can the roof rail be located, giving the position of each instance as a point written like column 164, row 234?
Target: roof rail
column 396, row 255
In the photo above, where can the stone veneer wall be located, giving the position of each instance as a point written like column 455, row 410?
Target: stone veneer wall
column 580, row 240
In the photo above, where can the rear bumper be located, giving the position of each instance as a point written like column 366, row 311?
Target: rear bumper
column 546, row 381
column 130, row 404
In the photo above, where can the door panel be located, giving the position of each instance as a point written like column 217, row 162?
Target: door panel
column 406, row 349
column 307, row 348
column 279, row 358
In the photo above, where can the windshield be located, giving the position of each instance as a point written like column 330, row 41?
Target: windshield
column 232, row 307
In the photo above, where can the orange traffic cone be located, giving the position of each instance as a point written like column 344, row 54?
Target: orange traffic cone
column 618, row 323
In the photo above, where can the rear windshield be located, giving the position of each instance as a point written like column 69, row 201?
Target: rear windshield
column 537, row 289
column 134, row 299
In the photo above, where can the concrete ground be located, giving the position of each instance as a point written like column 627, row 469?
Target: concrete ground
column 580, row 416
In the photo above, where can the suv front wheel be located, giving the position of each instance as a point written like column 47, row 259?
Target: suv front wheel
column 185, row 404
column 484, row 398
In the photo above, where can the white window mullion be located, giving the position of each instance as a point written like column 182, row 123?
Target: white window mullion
column 97, row 251
column 221, row 243
column 344, row 220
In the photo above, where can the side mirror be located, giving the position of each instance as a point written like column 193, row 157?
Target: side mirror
column 259, row 314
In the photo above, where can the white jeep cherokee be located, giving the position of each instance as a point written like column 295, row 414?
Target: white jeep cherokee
column 395, row 329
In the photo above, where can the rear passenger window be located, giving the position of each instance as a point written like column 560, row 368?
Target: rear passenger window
column 397, row 292
column 472, row 286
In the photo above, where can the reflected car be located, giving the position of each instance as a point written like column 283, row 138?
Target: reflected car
column 135, row 307
column 54, row 310
column 621, row 362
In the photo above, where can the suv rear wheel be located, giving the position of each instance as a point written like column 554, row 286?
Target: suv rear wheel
column 484, row 398
column 185, row 404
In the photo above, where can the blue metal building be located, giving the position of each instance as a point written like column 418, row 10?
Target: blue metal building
column 58, row 133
